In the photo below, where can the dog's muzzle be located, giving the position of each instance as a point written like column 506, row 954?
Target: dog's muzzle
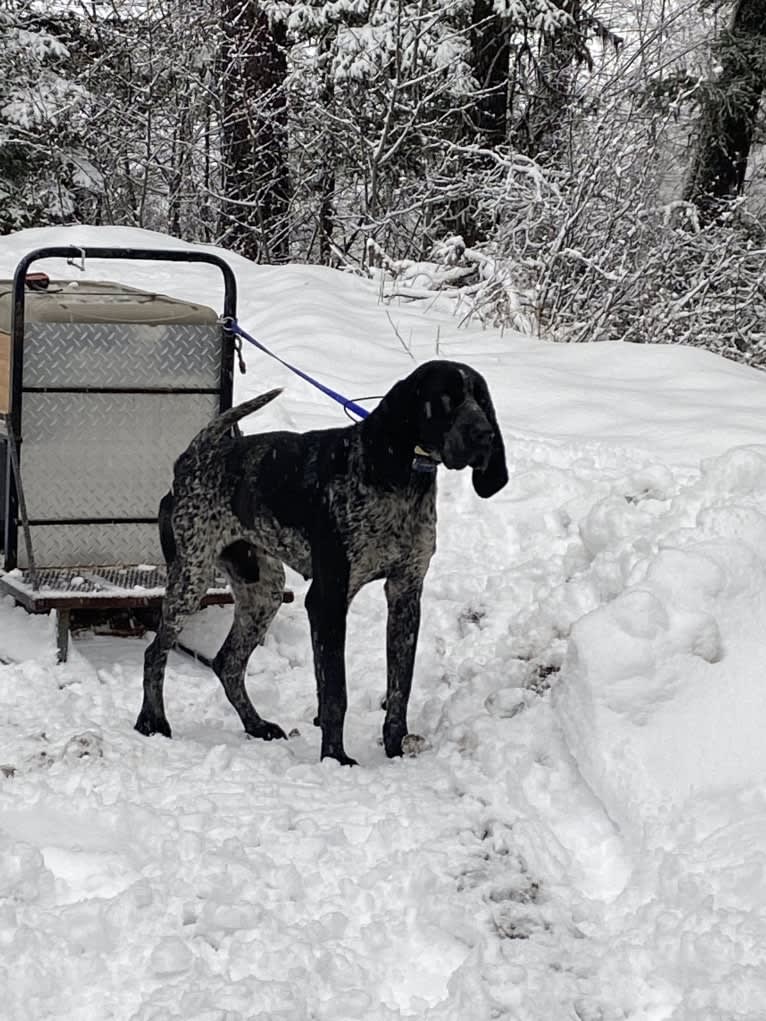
column 468, row 444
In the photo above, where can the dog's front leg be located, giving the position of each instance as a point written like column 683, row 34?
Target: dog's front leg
column 327, row 606
column 403, row 594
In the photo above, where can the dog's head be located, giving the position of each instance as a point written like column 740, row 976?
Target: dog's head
column 448, row 414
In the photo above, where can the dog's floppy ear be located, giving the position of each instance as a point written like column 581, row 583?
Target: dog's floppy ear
column 396, row 408
column 490, row 480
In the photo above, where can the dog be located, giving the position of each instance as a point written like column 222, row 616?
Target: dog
column 344, row 507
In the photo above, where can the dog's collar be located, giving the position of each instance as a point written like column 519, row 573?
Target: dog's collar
column 423, row 461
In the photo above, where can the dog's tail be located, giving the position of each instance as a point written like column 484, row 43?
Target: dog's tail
column 217, row 429
column 211, row 434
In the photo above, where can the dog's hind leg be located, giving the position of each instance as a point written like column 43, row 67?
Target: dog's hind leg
column 183, row 595
column 257, row 582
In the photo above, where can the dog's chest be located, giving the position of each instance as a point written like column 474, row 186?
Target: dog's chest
column 384, row 531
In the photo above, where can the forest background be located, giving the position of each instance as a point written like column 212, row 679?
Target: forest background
column 577, row 169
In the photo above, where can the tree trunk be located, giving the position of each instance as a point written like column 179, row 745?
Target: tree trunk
column 329, row 155
column 490, row 46
column 719, row 161
column 254, row 133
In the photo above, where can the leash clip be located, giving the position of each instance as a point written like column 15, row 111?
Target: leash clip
column 233, row 328
column 238, row 353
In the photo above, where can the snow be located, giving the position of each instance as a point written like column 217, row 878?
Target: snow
column 582, row 836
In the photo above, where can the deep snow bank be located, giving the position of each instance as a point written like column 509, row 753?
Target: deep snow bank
column 663, row 696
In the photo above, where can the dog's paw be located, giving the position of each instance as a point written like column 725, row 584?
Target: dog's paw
column 394, row 734
column 149, row 724
column 266, row 731
column 340, row 757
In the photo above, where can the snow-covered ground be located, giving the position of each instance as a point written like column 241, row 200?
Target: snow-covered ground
column 584, row 838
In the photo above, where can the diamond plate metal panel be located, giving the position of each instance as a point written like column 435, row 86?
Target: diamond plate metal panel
column 76, row 545
column 105, row 455
column 122, row 355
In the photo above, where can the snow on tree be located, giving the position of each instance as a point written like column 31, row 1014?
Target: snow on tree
column 42, row 162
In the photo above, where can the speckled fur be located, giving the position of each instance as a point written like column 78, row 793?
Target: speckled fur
column 341, row 506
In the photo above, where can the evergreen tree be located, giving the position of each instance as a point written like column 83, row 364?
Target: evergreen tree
column 43, row 167
column 729, row 108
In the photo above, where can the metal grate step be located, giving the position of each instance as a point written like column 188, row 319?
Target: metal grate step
column 94, row 587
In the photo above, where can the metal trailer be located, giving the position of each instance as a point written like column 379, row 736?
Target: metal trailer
column 101, row 387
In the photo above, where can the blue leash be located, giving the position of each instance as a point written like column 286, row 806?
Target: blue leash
column 348, row 405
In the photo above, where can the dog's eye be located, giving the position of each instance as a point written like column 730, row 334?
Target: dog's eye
column 427, row 409
column 446, row 402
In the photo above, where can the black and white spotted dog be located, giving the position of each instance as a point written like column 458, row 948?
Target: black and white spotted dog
column 343, row 507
